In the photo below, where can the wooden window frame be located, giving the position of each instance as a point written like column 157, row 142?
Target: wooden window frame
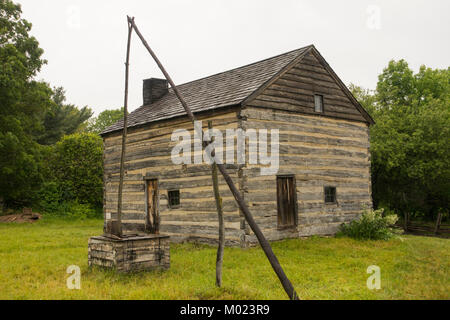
column 177, row 206
column 325, row 194
column 323, row 103
column 294, row 182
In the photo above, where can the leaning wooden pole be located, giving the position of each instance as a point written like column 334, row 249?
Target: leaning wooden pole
column 125, row 129
column 221, row 248
column 287, row 285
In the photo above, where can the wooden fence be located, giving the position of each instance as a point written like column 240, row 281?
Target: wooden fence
column 438, row 228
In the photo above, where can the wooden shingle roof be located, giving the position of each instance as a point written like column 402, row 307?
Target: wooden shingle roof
column 220, row 90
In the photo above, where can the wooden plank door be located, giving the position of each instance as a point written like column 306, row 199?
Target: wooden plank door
column 153, row 220
column 287, row 202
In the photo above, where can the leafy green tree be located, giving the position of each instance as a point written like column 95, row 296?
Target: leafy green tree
column 365, row 96
column 75, row 169
column 62, row 119
column 104, row 120
column 410, row 141
column 23, row 102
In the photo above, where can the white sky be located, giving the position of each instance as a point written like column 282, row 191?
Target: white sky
column 85, row 41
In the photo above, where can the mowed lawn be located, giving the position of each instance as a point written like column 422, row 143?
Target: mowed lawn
column 34, row 259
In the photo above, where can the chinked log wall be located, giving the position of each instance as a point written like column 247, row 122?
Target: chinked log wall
column 320, row 151
column 149, row 155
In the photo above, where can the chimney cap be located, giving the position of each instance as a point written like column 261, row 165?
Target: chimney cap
column 155, row 79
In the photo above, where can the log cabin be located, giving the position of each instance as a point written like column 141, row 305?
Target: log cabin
column 323, row 177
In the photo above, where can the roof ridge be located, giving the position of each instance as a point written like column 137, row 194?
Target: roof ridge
column 247, row 65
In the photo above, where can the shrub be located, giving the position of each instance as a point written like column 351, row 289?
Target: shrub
column 76, row 165
column 78, row 210
column 72, row 210
column 73, row 172
column 372, row 225
column 49, row 197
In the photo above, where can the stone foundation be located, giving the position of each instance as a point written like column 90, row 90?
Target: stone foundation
column 130, row 254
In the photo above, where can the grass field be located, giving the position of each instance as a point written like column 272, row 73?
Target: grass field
column 34, row 259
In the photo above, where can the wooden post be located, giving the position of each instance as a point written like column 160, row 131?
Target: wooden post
column 221, row 248
column 125, row 129
column 438, row 222
column 405, row 224
column 287, row 285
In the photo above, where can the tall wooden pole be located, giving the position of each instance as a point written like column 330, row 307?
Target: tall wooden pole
column 125, row 129
column 221, row 248
column 287, row 285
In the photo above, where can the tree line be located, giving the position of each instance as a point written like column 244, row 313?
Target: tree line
column 410, row 142
column 51, row 151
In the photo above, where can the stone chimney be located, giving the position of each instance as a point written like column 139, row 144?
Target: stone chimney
column 154, row 89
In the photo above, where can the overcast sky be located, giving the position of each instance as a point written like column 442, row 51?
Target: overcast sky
column 85, row 41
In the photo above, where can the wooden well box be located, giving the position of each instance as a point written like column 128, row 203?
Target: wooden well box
column 138, row 253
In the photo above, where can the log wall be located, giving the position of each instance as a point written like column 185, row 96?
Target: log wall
column 149, row 156
column 319, row 152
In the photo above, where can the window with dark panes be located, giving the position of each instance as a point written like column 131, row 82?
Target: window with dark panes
column 318, row 103
column 330, row 194
column 174, row 198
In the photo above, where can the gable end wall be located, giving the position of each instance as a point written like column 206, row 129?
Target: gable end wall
column 320, row 149
column 295, row 89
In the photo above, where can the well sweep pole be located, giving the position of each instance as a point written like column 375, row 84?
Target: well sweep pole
column 125, row 127
column 287, row 285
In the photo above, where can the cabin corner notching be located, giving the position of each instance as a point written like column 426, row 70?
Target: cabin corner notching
column 323, row 177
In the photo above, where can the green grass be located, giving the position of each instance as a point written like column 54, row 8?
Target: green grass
column 34, row 259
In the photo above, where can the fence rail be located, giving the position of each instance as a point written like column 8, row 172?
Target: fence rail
column 437, row 229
